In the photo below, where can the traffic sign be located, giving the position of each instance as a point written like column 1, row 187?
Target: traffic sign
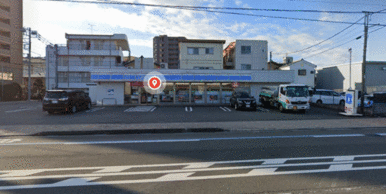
column 349, row 99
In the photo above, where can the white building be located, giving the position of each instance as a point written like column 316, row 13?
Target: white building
column 69, row 66
column 246, row 55
column 201, row 54
column 304, row 71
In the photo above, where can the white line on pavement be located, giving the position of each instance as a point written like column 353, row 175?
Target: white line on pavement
column 381, row 134
column 182, row 140
column 191, row 109
column 153, row 109
column 227, row 109
column 223, row 109
column 182, row 174
column 186, row 109
column 9, row 140
column 19, row 110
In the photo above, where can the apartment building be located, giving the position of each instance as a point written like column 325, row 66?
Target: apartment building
column 201, row 54
column 11, row 44
column 166, row 50
column 246, row 55
column 69, row 66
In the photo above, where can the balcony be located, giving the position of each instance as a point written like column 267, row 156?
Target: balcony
column 5, row 39
column 5, row 26
column 4, row 14
column 231, row 64
column 5, row 52
column 66, row 51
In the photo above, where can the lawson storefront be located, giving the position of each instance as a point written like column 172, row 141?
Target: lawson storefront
column 126, row 86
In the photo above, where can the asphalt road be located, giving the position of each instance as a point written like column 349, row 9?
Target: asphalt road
column 331, row 161
column 24, row 114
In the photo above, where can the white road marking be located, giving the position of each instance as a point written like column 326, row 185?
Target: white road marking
column 225, row 110
column 343, row 158
column 191, row 109
column 19, row 110
column 340, row 135
column 199, row 165
column 183, row 174
column 9, row 140
column 140, row 109
column 381, row 134
column 153, row 109
column 95, row 109
column 180, row 140
column 186, row 109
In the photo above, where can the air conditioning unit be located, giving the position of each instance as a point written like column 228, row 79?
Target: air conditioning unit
column 163, row 65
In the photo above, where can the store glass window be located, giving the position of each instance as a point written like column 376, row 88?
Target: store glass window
column 166, row 96
column 213, row 93
column 198, row 90
column 182, row 93
column 227, row 91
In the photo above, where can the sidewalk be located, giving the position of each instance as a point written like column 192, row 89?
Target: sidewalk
column 7, row 130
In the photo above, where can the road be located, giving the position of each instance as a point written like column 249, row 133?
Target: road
column 293, row 161
column 31, row 114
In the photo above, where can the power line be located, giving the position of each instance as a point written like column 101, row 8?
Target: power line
column 339, row 2
column 221, row 8
column 205, row 10
column 341, row 44
column 323, row 40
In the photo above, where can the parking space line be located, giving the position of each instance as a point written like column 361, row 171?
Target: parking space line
column 153, row 109
column 190, row 109
column 19, row 110
column 225, row 109
column 95, row 109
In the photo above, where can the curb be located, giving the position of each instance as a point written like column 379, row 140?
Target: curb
column 130, row 131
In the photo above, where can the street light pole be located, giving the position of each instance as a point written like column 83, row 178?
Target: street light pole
column 350, row 50
column 29, row 64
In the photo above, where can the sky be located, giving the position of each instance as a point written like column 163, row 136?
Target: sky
column 53, row 19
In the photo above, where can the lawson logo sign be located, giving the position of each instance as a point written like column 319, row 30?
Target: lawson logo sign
column 185, row 77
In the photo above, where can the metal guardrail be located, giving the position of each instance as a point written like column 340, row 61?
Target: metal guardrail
column 109, row 99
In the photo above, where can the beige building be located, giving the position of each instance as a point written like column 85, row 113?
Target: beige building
column 201, row 54
column 11, row 42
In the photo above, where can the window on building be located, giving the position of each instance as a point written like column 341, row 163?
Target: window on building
column 98, row 61
column 192, row 51
column 118, row 60
column 302, row 72
column 209, row 51
column 64, row 61
column 245, row 49
column 85, row 77
column 86, row 61
column 75, row 77
column 312, row 72
column 6, row 76
column 62, row 77
column 88, row 45
column 245, row 66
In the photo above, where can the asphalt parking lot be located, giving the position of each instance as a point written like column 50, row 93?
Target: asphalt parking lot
column 31, row 113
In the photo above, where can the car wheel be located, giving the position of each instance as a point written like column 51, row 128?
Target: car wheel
column 281, row 108
column 341, row 102
column 319, row 102
column 89, row 106
column 73, row 109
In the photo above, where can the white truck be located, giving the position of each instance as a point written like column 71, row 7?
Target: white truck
column 294, row 97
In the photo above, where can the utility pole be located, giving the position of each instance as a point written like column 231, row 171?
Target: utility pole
column 29, row 64
column 366, row 23
column 350, row 50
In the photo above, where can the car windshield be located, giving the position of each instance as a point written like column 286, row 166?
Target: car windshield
column 244, row 95
column 297, row 91
column 56, row 95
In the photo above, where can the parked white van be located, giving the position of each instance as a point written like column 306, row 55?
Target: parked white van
column 327, row 97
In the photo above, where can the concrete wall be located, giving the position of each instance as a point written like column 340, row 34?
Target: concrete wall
column 376, row 77
column 257, row 58
column 148, row 63
column 201, row 60
column 104, row 97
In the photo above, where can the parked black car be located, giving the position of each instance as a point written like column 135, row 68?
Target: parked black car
column 243, row 100
column 68, row 101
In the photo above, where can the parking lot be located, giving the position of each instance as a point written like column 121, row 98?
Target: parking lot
column 31, row 113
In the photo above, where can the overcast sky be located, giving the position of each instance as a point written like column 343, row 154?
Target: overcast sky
column 53, row 19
